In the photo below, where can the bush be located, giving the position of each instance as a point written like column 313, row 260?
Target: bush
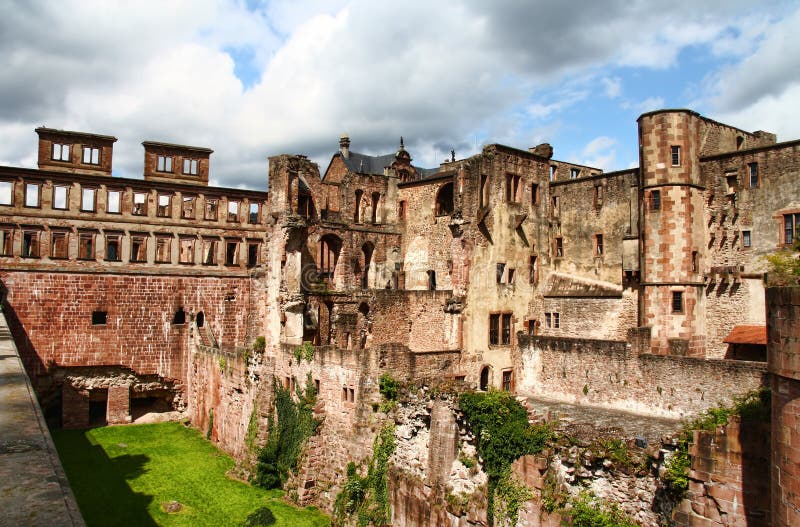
column 389, row 387
column 589, row 511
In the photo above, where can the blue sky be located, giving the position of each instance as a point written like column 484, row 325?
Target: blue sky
column 252, row 79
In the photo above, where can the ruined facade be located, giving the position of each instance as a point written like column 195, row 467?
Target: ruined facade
column 508, row 269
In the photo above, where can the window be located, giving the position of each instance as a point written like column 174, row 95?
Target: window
column 431, row 280
column 753, row 171
column 113, row 247
column 499, row 272
column 484, row 197
column 60, row 197
column 552, row 320
column 791, row 227
column 209, row 251
column 252, row 253
column 534, row 194
column 731, row 182
column 139, row 204
column 59, row 245
column 655, row 200
column 746, row 241
column 555, row 208
column 574, row 173
column 507, row 380
column 6, row 193
column 252, row 217
column 675, row 154
column 531, row 326
column 163, row 210
column 231, row 252
column 30, row 244
column 31, row 195
column 113, row 202
column 138, row 248
column 6, row 241
column 190, row 166
column 233, row 211
column 694, row 262
column 99, row 318
column 553, row 172
column 212, row 205
column 401, row 211
column 500, row 329
column 559, row 247
column 510, row 274
column 60, row 152
column 86, row 246
column 444, row 200
column 164, row 164
column 88, row 199
column 677, row 301
column 187, row 207
column 329, row 247
column 533, row 270
column 186, row 251
column 598, row 197
column 512, row 188
column 494, row 329
column 598, row 244
column 91, row 155
column 163, row 249
column 179, row 318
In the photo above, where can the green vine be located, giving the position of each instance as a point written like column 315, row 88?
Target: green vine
column 288, row 432
column 304, row 351
column 510, row 496
column 210, row 428
column 367, row 497
column 587, row 510
column 252, row 429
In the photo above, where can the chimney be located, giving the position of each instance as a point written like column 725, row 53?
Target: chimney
column 344, row 146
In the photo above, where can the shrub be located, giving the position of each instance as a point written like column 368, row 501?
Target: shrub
column 389, row 387
column 590, row 511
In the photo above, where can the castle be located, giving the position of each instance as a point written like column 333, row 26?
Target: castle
column 508, row 269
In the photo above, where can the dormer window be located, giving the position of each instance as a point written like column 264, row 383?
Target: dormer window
column 573, row 173
column 190, row 166
column 91, row 155
column 164, row 164
column 60, row 152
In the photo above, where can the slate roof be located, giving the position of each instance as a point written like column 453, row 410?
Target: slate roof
column 364, row 164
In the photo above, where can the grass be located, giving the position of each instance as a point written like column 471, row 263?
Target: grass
column 121, row 476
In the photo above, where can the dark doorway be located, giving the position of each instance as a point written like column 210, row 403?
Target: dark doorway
column 484, row 384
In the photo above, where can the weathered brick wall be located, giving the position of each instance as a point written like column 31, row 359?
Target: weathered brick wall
column 608, row 373
column 593, row 318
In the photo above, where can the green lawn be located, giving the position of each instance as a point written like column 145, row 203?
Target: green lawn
column 121, row 476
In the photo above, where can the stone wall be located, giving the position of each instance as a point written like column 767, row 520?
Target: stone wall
column 608, row 373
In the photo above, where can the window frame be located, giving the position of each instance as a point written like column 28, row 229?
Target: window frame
column 675, row 155
column 210, row 248
column 209, row 205
column 752, row 173
column 253, row 262
column 109, row 193
column 94, row 155
column 254, row 218
column 10, row 192
column 116, row 237
column 164, row 211
column 61, row 147
column 677, row 303
column 232, row 216
column 93, row 191
column 191, row 209
column 655, row 199
column 139, row 209
column 55, row 190
column 190, row 166
column 163, row 240
column 182, row 240
column 38, row 187
column 574, row 173
column 87, row 251
column 559, row 247
column 164, row 164
column 791, row 224
column 598, row 244
column 64, row 236
column 747, row 239
column 32, row 248
column 6, row 240
column 134, row 255
column 234, row 260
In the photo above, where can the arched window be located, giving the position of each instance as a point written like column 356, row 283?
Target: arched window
column 329, row 247
column 200, row 319
column 367, row 249
column 485, row 378
column 376, row 198
column 444, row 200
column 357, row 207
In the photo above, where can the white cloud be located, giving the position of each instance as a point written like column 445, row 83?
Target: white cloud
column 647, row 105
column 612, row 86
column 600, row 153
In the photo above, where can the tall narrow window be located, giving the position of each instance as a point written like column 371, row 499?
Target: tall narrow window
column 329, row 246
column 59, row 245
column 357, row 206
column 86, row 246
column 512, row 187
column 500, row 272
column 534, row 194
column 533, row 270
column 6, row 193
column 88, row 202
column 253, row 214
column 677, row 301
column 186, row 251
column 655, row 200
column 60, row 152
column 505, row 337
column 484, row 196
column 113, row 203
column 553, row 172
column 190, row 166
column 252, row 253
column 209, row 251
column 231, row 252
column 556, row 320
column 91, row 155
column 212, row 206
column 139, row 204
column 598, row 197
column 555, row 206
column 695, row 265
column 494, row 329
column 31, row 195
column 113, row 247
column 163, row 249
column 6, row 241
column 138, row 248
column 753, row 170
column 507, row 384
column 164, row 164
column 401, row 211
column 675, row 154
column 598, row 245
column 187, row 208
column 233, row 211
column 30, row 244
column 791, row 227
column 163, row 210
column 746, row 240
column 431, row 280
column 60, row 197
column 559, row 247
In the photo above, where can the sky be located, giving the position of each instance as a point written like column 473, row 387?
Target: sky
column 252, row 79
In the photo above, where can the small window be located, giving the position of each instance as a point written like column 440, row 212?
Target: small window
column 548, row 320
column 231, row 253
column 190, row 166
column 6, row 193
column 139, row 204
column 484, row 195
column 88, row 199
column 677, row 301
column 163, row 210
column 675, row 154
column 99, row 318
column 555, row 208
column 186, row 253
column 91, row 155
column 510, row 275
column 113, row 203
column 179, row 318
column 163, row 249
column 60, row 197
column 187, row 209
column 59, row 245
column 60, row 152
column 791, row 228
column 559, row 247
column 494, row 329
column 252, row 217
column 30, row 244
column 695, row 265
column 31, row 195
column 746, row 241
column 401, row 211
column 86, row 246
column 531, row 327
column 506, row 380
column 533, row 270
column 598, row 244
column 556, row 320
column 534, row 194
column 252, row 254
column 574, row 173
column 505, row 336
column 499, row 272
column 753, row 171
column 655, row 200
column 552, row 320
column 164, row 164
column 553, row 169
column 211, row 209
column 6, row 241
column 598, row 197
column 233, row 211
column 431, row 280
column 209, row 252
column 113, row 248
column 138, row 248
column 512, row 188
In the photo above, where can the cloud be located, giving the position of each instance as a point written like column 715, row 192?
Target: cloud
column 647, row 105
column 599, row 153
column 612, row 86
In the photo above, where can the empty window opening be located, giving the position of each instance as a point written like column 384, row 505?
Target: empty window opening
column 731, row 183
column 677, row 301
column 6, row 193
column 99, row 318
column 139, row 204
column 559, row 247
column 531, row 327
column 500, row 270
column 163, row 210
column 357, row 206
column 86, row 246
column 31, row 195
column 366, row 253
column 574, row 173
column 60, row 194
column 598, row 197
column 533, row 269
column 58, row 245
column 60, row 152
column 113, row 201
column 329, row 247
column 534, row 194
column 401, row 211
column 555, row 208
column 675, row 155
column 88, row 199
column 232, row 253
column 510, row 275
column 91, row 155
column 431, row 280
column 187, row 207
column 200, row 319
column 6, row 241
column 553, row 169
column 138, row 248
column 253, row 214
column 164, row 164
column 484, row 196
column 598, row 244
column 233, row 211
column 512, row 188
column 484, row 380
column 376, row 199
column 113, row 252
column 163, row 249
column 186, row 251
column 30, row 244
column 694, row 262
column 444, row 200
column 252, row 254
column 507, row 381
column 211, row 210
column 180, row 317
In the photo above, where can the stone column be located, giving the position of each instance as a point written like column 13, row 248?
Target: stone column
column 118, row 409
